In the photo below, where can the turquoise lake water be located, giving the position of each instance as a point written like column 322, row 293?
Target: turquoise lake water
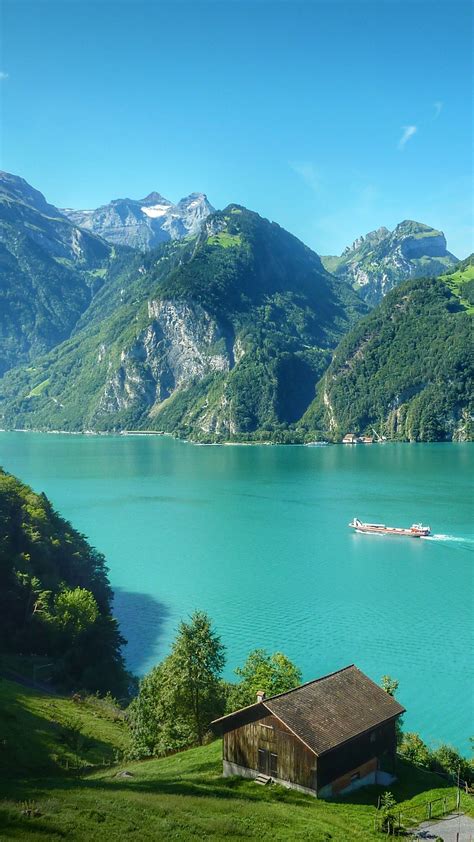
column 258, row 537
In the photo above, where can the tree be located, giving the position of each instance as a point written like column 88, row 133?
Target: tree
column 147, row 717
column 390, row 685
column 271, row 673
column 448, row 759
column 387, row 805
column 414, row 749
column 75, row 610
column 178, row 699
column 197, row 658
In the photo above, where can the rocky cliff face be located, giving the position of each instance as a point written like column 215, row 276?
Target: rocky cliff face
column 181, row 344
column 144, row 223
column 376, row 263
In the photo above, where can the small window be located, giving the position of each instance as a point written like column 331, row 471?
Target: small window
column 273, row 764
column 355, row 777
column 373, row 736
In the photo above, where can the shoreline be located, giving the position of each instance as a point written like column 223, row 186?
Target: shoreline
column 162, row 433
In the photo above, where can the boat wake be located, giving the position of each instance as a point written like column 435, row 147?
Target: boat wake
column 453, row 538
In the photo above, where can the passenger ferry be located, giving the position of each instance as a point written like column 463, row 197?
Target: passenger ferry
column 417, row 530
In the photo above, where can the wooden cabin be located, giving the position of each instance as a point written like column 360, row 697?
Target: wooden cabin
column 326, row 737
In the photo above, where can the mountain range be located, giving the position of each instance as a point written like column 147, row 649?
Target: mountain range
column 144, row 223
column 229, row 329
column 223, row 335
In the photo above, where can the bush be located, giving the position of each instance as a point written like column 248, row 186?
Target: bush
column 413, row 748
column 447, row 759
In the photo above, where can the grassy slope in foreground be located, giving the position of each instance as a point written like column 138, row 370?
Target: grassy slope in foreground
column 180, row 797
column 34, row 725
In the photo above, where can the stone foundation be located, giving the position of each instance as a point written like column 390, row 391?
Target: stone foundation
column 244, row 772
column 369, row 775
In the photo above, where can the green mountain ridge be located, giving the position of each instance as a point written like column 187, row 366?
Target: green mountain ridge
column 213, row 337
column 406, row 369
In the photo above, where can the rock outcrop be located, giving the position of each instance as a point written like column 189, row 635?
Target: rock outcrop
column 181, row 344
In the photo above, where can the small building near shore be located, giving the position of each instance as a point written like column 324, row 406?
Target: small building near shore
column 326, row 737
column 351, row 438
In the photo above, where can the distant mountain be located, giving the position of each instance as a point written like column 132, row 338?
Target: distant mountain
column 407, row 368
column 49, row 270
column 144, row 223
column 376, row 263
column 222, row 336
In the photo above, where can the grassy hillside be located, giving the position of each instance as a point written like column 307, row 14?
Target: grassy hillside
column 180, row 797
column 44, row 733
column 461, row 282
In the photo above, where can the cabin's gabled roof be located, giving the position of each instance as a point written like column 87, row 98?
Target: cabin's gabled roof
column 323, row 713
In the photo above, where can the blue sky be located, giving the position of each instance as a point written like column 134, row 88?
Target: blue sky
column 329, row 117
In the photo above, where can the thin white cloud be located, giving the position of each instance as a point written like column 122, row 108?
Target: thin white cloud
column 3, row 75
column 307, row 171
column 408, row 132
column 438, row 107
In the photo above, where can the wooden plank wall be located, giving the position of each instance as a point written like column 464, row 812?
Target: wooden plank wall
column 295, row 762
column 379, row 743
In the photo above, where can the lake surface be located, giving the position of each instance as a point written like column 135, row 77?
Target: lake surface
column 258, row 537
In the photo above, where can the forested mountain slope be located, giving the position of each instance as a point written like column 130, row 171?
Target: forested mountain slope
column 376, row 263
column 217, row 337
column 405, row 369
column 49, row 271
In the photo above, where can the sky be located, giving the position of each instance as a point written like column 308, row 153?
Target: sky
column 330, row 117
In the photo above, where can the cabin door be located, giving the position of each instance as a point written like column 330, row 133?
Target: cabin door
column 263, row 760
column 267, row 762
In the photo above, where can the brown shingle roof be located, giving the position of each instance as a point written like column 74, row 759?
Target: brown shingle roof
column 326, row 712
